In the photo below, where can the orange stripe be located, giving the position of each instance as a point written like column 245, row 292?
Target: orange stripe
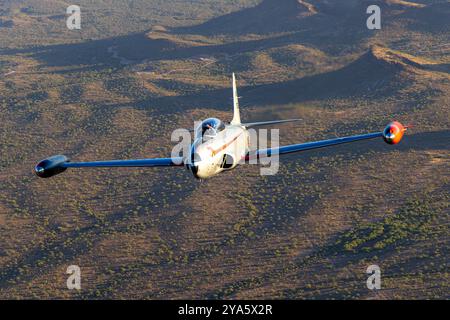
column 214, row 152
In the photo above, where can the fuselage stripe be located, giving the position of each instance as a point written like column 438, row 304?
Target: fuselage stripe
column 223, row 147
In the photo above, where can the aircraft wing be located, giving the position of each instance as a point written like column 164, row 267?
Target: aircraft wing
column 58, row 164
column 392, row 134
column 159, row 162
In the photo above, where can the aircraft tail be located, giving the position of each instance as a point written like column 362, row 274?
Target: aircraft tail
column 236, row 114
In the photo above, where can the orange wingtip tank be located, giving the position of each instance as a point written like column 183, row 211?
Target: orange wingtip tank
column 394, row 131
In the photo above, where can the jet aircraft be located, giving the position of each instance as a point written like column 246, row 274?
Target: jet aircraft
column 219, row 146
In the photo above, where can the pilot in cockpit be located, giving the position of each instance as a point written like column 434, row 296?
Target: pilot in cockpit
column 210, row 128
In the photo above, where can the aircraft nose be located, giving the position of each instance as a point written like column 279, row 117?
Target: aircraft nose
column 194, row 165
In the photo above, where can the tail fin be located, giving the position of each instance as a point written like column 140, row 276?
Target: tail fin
column 236, row 115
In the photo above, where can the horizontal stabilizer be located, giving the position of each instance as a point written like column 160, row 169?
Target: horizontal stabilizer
column 266, row 123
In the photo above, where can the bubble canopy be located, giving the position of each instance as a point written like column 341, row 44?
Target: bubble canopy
column 209, row 127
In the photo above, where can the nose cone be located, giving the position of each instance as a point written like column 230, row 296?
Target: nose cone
column 198, row 163
column 200, row 169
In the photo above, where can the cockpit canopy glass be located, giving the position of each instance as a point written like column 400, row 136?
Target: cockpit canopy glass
column 210, row 128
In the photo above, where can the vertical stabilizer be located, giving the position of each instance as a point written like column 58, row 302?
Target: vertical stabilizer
column 236, row 115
